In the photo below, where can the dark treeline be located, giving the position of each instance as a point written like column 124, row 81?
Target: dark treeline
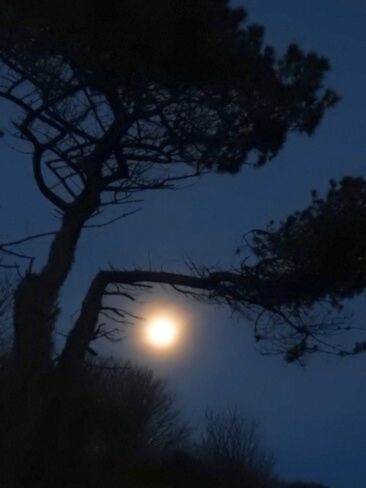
column 120, row 428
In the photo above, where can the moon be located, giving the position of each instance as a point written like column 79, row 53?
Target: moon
column 162, row 332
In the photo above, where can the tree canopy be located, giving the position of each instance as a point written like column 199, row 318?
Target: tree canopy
column 318, row 252
column 210, row 93
column 105, row 123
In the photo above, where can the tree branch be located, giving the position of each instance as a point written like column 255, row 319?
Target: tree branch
column 84, row 328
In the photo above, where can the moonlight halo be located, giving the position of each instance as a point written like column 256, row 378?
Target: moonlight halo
column 162, row 332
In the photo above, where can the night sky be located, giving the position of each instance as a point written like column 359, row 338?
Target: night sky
column 313, row 417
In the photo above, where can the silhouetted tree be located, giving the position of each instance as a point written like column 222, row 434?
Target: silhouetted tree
column 315, row 256
column 320, row 250
column 231, row 447
column 117, row 98
column 135, row 407
column 118, row 416
column 106, row 123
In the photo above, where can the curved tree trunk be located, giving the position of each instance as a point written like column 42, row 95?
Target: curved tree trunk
column 39, row 391
column 35, row 303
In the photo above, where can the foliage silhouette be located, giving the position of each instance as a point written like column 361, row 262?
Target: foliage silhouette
column 319, row 251
column 120, row 427
column 316, row 255
column 193, row 90
column 117, row 416
column 230, row 446
column 102, row 130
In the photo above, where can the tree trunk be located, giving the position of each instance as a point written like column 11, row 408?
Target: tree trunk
column 35, row 385
column 35, row 302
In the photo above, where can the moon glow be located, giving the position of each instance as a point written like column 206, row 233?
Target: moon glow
column 162, row 332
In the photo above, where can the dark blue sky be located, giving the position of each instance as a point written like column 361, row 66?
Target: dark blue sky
column 312, row 418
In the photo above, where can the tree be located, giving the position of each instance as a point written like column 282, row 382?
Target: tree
column 122, row 416
column 105, row 124
column 323, row 246
column 103, row 130
column 316, row 256
column 117, row 417
column 230, row 446
column 135, row 412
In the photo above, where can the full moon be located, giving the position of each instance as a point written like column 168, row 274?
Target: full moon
column 162, row 332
